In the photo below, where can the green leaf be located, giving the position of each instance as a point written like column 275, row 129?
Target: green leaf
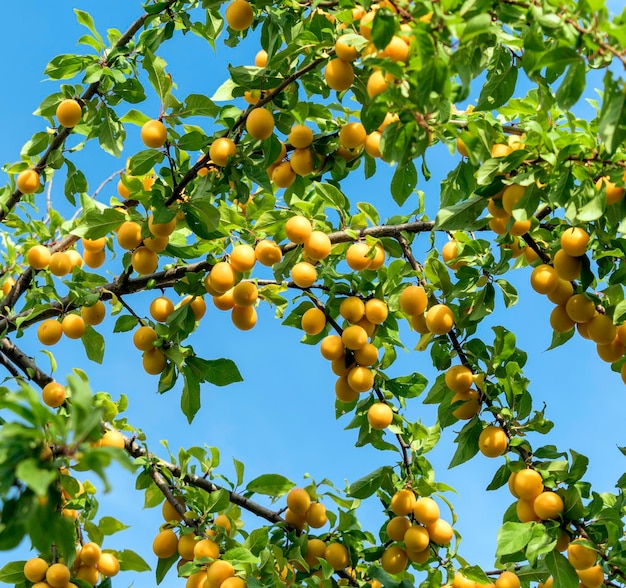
column 461, row 216
column 403, row 182
column 125, row 323
column 94, row 344
column 612, row 125
column 159, row 79
column 164, row 566
column 36, row 478
column 111, row 132
column 383, row 28
column 141, row 163
column 333, row 195
column 501, row 80
column 573, row 84
column 219, row 372
column 190, row 398
column 240, row 555
column 99, row 223
column 85, row 19
column 561, row 570
column 239, row 468
column 367, row 485
column 270, row 484
column 65, row 66
column 467, row 442
column 131, row 561
column 12, row 573
column 110, row 526
column 512, row 537
column 476, row 25
column 202, row 217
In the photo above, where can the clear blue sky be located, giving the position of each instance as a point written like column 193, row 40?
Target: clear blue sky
column 281, row 419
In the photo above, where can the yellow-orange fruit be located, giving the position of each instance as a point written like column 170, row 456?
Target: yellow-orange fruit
column 198, row 305
column 394, row 559
column 574, row 241
column 418, row 557
column 222, row 277
column 260, row 59
column 260, row 124
column 94, row 259
column 562, row 542
column 368, row 327
column 416, row 538
column 35, row 569
column 560, row 320
column 38, row 257
column 592, row 577
column 566, row 266
column 449, row 252
column 245, row 294
column 345, row 51
column 580, row 308
column 459, row 378
column 162, row 229
column 418, row 322
column 376, row 311
column 298, row 229
column 439, row 319
column 302, row 161
column 525, row 511
column 614, row 193
column 500, row 150
column 315, row 549
column 492, row 441
column 218, row 572
column 160, row 308
column 224, row 301
column 397, row 527
column 508, row 580
column 186, row 545
column 316, row 515
column 372, row 144
column 413, row 300
column 303, row 274
column 69, row 113
column 376, row 83
column 313, row 321
column 357, row 256
column 94, row 314
column 144, row 261
column 499, row 225
column 300, row 136
column 221, row 150
column 440, row 532
column 495, row 209
column 49, row 332
column 113, row 438
column 511, row 195
column 283, row 175
column 60, row 264
column 73, row 326
column 528, row 484
column 28, row 181
column 332, row 347
column 75, row 259
column 93, row 244
column 339, row 74
column 165, row 544
column 243, row 317
column 343, row 390
column 548, row 505
column 360, row 378
column 153, row 134
column 153, row 361
column 58, row 575
column 298, row 500
column 232, row 582
column 403, row 502
column 317, row 245
column 580, row 556
column 354, row 337
column 7, row 285
column 601, row 329
column 610, row 352
column 268, row 252
column 547, row 584
column 337, row 556
column 621, row 332
column 396, row 50
column 129, row 235
column 206, row 548
column 352, row 135
column 470, row 406
column 239, row 15
column 426, row 510
column 379, row 417
column 544, row 279
column 562, row 293
column 340, row 368
column 169, row 512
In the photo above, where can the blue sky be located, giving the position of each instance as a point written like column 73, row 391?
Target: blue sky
column 281, row 418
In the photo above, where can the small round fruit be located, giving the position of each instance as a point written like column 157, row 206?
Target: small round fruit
column 165, row 544
column 492, row 441
column 73, row 326
column 511, row 195
column 303, row 274
column 337, row 556
column 562, row 293
column 160, row 308
column 94, row 259
column 244, row 317
column 242, row 258
column 397, row 527
column 459, row 378
column 394, row 560
column 525, row 511
column 60, row 264
column 49, row 332
column 426, row 510
column 162, row 229
column 113, row 438
column 283, row 175
column 129, row 235
column 317, row 246
column 544, row 279
column 574, row 241
column 592, row 577
column 580, row 556
column 360, row 379
column 222, row 277
column 354, row 337
column 298, row 500
column 566, row 266
column 300, row 136
column 403, row 502
column 38, row 257
column 154, row 361
column 548, row 505
column 439, row 319
column 93, row 245
column 245, row 294
column 94, row 314
column 528, row 484
column 601, row 329
column 108, row 565
column 28, row 181
column 440, row 532
column 345, row 51
column 35, row 569
column 379, row 417
column 500, row 150
column 413, row 300
column 198, row 305
column 332, row 347
column 316, row 515
column 580, row 308
column 313, row 321
column 339, row 74
column 357, row 256
column 144, row 261
column 343, row 390
column 144, row 338
column 221, row 150
column 367, row 355
column 376, row 311
column 416, row 538
column 69, row 113
column 153, row 134
column 508, row 580
column 239, row 15
column 352, row 135
column 206, row 548
column 298, row 229
column 224, row 301
column 268, row 252
column 58, row 575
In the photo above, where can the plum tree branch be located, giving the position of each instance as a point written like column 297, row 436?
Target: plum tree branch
column 24, row 363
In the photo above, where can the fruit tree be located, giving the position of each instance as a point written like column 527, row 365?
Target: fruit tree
column 385, row 180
